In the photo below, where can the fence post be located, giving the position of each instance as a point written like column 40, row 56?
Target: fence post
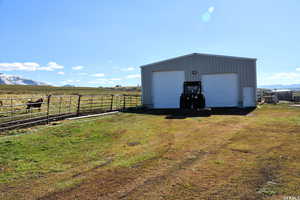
column 91, row 102
column 60, row 102
column 11, row 109
column 78, row 104
column 111, row 103
column 124, row 102
column 70, row 103
column 130, row 101
column 48, row 107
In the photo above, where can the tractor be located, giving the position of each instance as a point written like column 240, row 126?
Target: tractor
column 192, row 98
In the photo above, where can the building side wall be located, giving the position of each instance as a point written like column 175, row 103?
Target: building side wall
column 195, row 66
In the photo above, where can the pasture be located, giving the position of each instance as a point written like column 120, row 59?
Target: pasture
column 12, row 90
column 156, row 156
column 25, row 105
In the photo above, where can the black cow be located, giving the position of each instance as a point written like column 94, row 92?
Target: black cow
column 35, row 104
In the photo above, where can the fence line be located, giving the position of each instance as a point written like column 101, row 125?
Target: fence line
column 18, row 112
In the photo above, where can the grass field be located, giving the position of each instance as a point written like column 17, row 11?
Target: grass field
column 148, row 156
column 64, row 99
column 10, row 90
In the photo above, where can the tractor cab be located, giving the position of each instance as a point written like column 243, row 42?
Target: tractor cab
column 192, row 97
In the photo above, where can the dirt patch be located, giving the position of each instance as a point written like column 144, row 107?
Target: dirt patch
column 131, row 144
column 107, row 162
column 241, row 150
column 126, row 182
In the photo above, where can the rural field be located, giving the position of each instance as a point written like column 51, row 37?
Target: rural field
column 149, row 155
column 14, row 100
column 9, row 90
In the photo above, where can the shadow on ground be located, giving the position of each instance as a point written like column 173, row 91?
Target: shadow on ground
column 182, row 114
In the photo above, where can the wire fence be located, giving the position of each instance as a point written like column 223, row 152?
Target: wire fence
column 16, row 112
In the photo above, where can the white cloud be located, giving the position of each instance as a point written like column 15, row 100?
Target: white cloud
column 131, row 76
column 98, row 75
column 70, row 81
column 298, row 69
column 29, row 66
column 285, row 75
column 116, row 79
column 26, row 66
column 77, row 67
column 283, row 78
column 128, row 69
column 61, row 73
column 51, row 66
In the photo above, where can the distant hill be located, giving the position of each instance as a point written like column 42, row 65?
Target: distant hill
column 68, row 85
column 17, row 80
column 291, row 86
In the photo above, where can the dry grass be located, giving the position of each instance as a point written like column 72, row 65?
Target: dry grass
column 63, row 100
column 253, row 156
column 47, row 90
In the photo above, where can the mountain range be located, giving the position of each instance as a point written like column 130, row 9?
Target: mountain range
column 278, row 86
column 17, row 80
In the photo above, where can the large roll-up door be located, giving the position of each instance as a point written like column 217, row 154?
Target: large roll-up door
column 220, row 90
column 167, row 87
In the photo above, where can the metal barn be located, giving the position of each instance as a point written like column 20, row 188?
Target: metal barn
column 226, row 81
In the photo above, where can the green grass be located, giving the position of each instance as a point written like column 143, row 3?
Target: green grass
column 51, row 151
column 246, row 157
column 57, row 149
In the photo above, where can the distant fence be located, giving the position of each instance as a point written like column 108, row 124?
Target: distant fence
column 17, row 112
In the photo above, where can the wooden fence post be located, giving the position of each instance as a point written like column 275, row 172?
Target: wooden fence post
column 60, row 102
column 91, row 102
column 78, row 104
column 111, row 103
column 48, row 107
column 124, row 102
column 11, row 109
column 130, row 102
column 70, row 103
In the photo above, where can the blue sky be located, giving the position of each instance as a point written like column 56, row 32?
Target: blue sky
column 103, row 42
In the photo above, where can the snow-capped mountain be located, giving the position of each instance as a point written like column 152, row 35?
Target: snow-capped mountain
column 17, row 80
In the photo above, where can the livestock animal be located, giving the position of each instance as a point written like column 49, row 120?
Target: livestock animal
column 35, row 104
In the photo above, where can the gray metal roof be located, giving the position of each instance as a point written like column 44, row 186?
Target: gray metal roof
column 201, row 54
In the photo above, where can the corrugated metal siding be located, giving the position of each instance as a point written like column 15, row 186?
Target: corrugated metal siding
column 202, row 64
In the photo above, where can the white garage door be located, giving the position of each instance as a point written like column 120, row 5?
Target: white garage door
column 166, row 89
column 220, row 90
